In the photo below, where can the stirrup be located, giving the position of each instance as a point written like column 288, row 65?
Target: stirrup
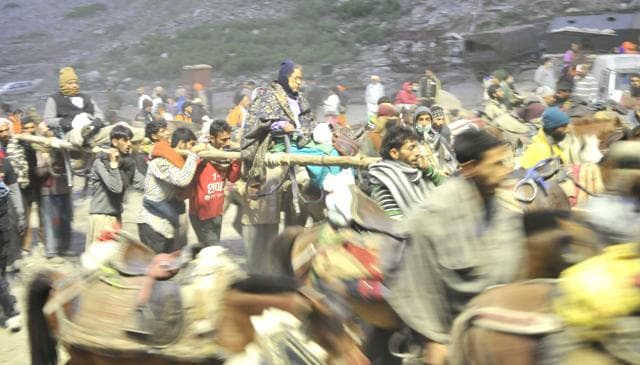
column 143, row 317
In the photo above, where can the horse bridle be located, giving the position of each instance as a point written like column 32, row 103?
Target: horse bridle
column 536, row 177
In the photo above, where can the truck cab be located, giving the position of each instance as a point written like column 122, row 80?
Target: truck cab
column 613, row 72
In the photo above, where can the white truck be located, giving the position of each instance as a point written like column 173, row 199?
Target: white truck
column 612, row 72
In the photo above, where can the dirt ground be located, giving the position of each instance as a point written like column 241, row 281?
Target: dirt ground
column 14, row 348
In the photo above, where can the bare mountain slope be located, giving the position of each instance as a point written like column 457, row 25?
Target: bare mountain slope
column 39, row 36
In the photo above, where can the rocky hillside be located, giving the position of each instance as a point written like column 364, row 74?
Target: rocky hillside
column 127, row 42
column 39, row 36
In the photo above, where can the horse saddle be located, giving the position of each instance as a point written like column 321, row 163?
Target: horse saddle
column 368, row 215
column 347, row 141
column 160, row 320
column 133, row 258
column 507, row 309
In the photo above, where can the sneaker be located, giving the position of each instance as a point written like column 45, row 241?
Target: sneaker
column 14, row 324
column 56, row 260
column 70, row 253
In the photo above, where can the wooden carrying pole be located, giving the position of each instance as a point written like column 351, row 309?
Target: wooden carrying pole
column 218, row 155
column 295, row 159
column 57, row 143
column 49, row 142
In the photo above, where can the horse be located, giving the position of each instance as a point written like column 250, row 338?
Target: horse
column 202, row 315
column 537, row 188
column 295, row 252
column 555, row 322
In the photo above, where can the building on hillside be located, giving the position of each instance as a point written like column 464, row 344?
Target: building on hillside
column 493, row 48
column 598, row 33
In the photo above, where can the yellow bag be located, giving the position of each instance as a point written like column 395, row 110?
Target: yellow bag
column 593, row 293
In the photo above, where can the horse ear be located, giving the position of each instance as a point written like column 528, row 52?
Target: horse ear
column 539, row 220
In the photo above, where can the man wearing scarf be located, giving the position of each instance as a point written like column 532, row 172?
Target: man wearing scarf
column 281, row 109
column 440, row 123
column 110, row 176
column 461, row 241
column 168, row 173
column 397, row 182
column 434, row 147
column 69, row 108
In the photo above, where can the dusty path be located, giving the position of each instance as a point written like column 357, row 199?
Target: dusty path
column 14, row 348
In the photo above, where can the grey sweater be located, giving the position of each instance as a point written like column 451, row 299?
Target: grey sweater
column 107, row 188
column 454, row 253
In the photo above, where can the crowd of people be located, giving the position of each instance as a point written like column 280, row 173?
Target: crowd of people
column 437, row 173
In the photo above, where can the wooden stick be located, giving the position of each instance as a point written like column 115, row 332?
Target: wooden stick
column 48, row 141
column 57, row 143
column 218, row 155
column 293, row 159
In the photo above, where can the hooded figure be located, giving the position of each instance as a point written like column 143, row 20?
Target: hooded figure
column 437, row 148
column 64, row 106
column 406, row 95
column 278, row 111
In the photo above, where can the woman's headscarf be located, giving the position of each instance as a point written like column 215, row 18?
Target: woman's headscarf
column 286, row 69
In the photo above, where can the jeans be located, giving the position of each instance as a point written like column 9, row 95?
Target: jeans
column 207, row 231
column 7, row 301
column 28, row 199
column 56, row 215
column 156, row 241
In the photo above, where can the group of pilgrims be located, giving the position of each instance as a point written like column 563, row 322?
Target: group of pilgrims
column 441, row 176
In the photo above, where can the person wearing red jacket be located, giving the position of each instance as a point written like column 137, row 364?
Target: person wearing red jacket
column 406, row 95
column 207, row 203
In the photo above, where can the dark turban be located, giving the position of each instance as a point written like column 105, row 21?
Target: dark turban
column 472, row 143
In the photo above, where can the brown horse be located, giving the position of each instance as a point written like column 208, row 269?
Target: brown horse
column 536, row 189
column 514, row 324
column 295, row 252
column 200, row 316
